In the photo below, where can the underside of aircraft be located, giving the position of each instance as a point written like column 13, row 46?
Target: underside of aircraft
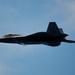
column 52, row 37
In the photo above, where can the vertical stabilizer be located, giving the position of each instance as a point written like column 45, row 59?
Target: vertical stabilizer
column 53, row 29
column 61, row 30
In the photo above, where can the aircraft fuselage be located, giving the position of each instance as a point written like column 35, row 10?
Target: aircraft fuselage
column 52, row 37
column 37, row 38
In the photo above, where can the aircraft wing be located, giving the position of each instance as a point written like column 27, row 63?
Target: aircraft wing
column 53, row 29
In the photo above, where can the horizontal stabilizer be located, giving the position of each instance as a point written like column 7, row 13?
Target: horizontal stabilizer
column 69, row 41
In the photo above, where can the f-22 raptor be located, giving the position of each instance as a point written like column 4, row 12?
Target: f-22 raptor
column 52, row 37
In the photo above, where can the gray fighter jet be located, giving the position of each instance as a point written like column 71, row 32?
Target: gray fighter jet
column 52, row 37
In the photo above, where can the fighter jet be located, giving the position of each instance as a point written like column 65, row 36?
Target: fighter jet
column 52, row 37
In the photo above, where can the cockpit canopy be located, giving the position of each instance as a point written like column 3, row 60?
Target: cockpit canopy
column 11, row 35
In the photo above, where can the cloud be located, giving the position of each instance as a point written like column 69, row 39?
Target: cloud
column 69, row 22
column 64, row 15
column 71, row 8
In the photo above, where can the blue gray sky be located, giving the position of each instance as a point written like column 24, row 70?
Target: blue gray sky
column 29, row 16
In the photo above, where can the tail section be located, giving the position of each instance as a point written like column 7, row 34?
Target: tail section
column 68, row 41
column 61, row 31
column 53, row 30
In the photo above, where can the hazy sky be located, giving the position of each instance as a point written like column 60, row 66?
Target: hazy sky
column 29, row 16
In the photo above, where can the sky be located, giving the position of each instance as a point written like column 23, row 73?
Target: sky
column 30, row 16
